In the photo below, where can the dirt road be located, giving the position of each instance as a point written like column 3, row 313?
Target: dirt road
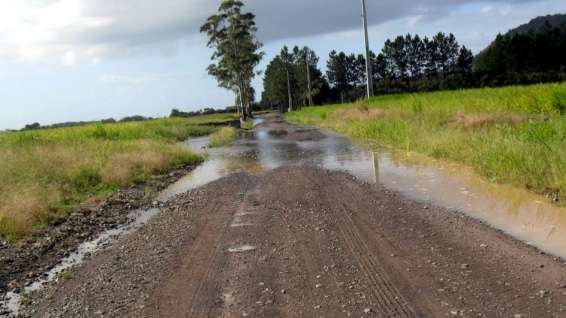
column 305, row 242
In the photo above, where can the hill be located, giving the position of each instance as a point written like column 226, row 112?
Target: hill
column 535, row 50
column 555, row 20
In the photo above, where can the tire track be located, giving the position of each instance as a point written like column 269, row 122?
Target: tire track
column 391, row 302
column 193, row 273
column 198, row 298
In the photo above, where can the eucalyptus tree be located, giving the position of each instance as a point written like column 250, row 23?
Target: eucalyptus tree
column 237, row 52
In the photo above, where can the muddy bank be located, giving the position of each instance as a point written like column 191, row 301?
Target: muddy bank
column 23, row 262
column 307, row 242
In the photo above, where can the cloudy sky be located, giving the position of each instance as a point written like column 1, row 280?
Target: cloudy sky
column 63, row 60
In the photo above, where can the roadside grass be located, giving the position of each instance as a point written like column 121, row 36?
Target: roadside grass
column 248, row 125
column 47, row 173
column 212, row 119
column 514, row 135
column 223, row 137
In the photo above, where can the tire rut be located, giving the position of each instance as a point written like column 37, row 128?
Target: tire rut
column 193, row 274
column 390, row 301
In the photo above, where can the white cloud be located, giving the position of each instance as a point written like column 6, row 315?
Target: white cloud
column 487, row 9
column 34, row 30
column 125, row 80
column 91, row 30
column 70, row 58
column 413, row 21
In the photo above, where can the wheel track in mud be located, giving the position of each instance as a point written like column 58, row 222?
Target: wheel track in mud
column 208, row 266
column 208, row 239
column 390, row 301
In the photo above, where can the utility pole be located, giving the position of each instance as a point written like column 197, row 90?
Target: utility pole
column 369, row 72
column 307, row 58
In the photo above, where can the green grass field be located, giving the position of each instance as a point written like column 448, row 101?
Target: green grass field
column 47, row 173
column 514, row 135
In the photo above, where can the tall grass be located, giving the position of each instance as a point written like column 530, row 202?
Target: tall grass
column 212, row 119
column 514, row 135
column 46, row 173
column 223, row 137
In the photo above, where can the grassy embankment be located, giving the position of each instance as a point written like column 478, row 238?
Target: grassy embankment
column 47, row 173
column 514, row 135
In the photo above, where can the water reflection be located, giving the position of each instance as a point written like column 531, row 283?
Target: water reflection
column 526, row 216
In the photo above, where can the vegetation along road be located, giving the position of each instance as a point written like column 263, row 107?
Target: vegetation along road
column 301, row 241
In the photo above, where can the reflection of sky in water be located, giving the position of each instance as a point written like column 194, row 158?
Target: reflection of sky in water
column 517, row 212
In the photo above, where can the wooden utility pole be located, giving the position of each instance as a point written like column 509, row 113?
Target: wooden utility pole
column 369, row 71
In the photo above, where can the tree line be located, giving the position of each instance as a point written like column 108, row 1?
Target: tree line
column 411, row 63
column 407, row 63
column 538, row 55
column 292, row 79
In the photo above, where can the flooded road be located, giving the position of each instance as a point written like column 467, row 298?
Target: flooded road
column 298, row 222
column 525, row 216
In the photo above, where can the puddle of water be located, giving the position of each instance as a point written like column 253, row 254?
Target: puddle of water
column 526, row 216
column 241, row 249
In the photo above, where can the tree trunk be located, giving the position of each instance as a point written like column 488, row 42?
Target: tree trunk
column 243, row 115
column 309, row 82
column 289, row 89
column 248, row 101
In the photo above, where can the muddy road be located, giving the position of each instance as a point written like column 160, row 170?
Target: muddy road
column 301, row 241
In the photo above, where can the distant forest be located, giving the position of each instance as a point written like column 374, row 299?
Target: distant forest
column 532, row 53
column 37, row 126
